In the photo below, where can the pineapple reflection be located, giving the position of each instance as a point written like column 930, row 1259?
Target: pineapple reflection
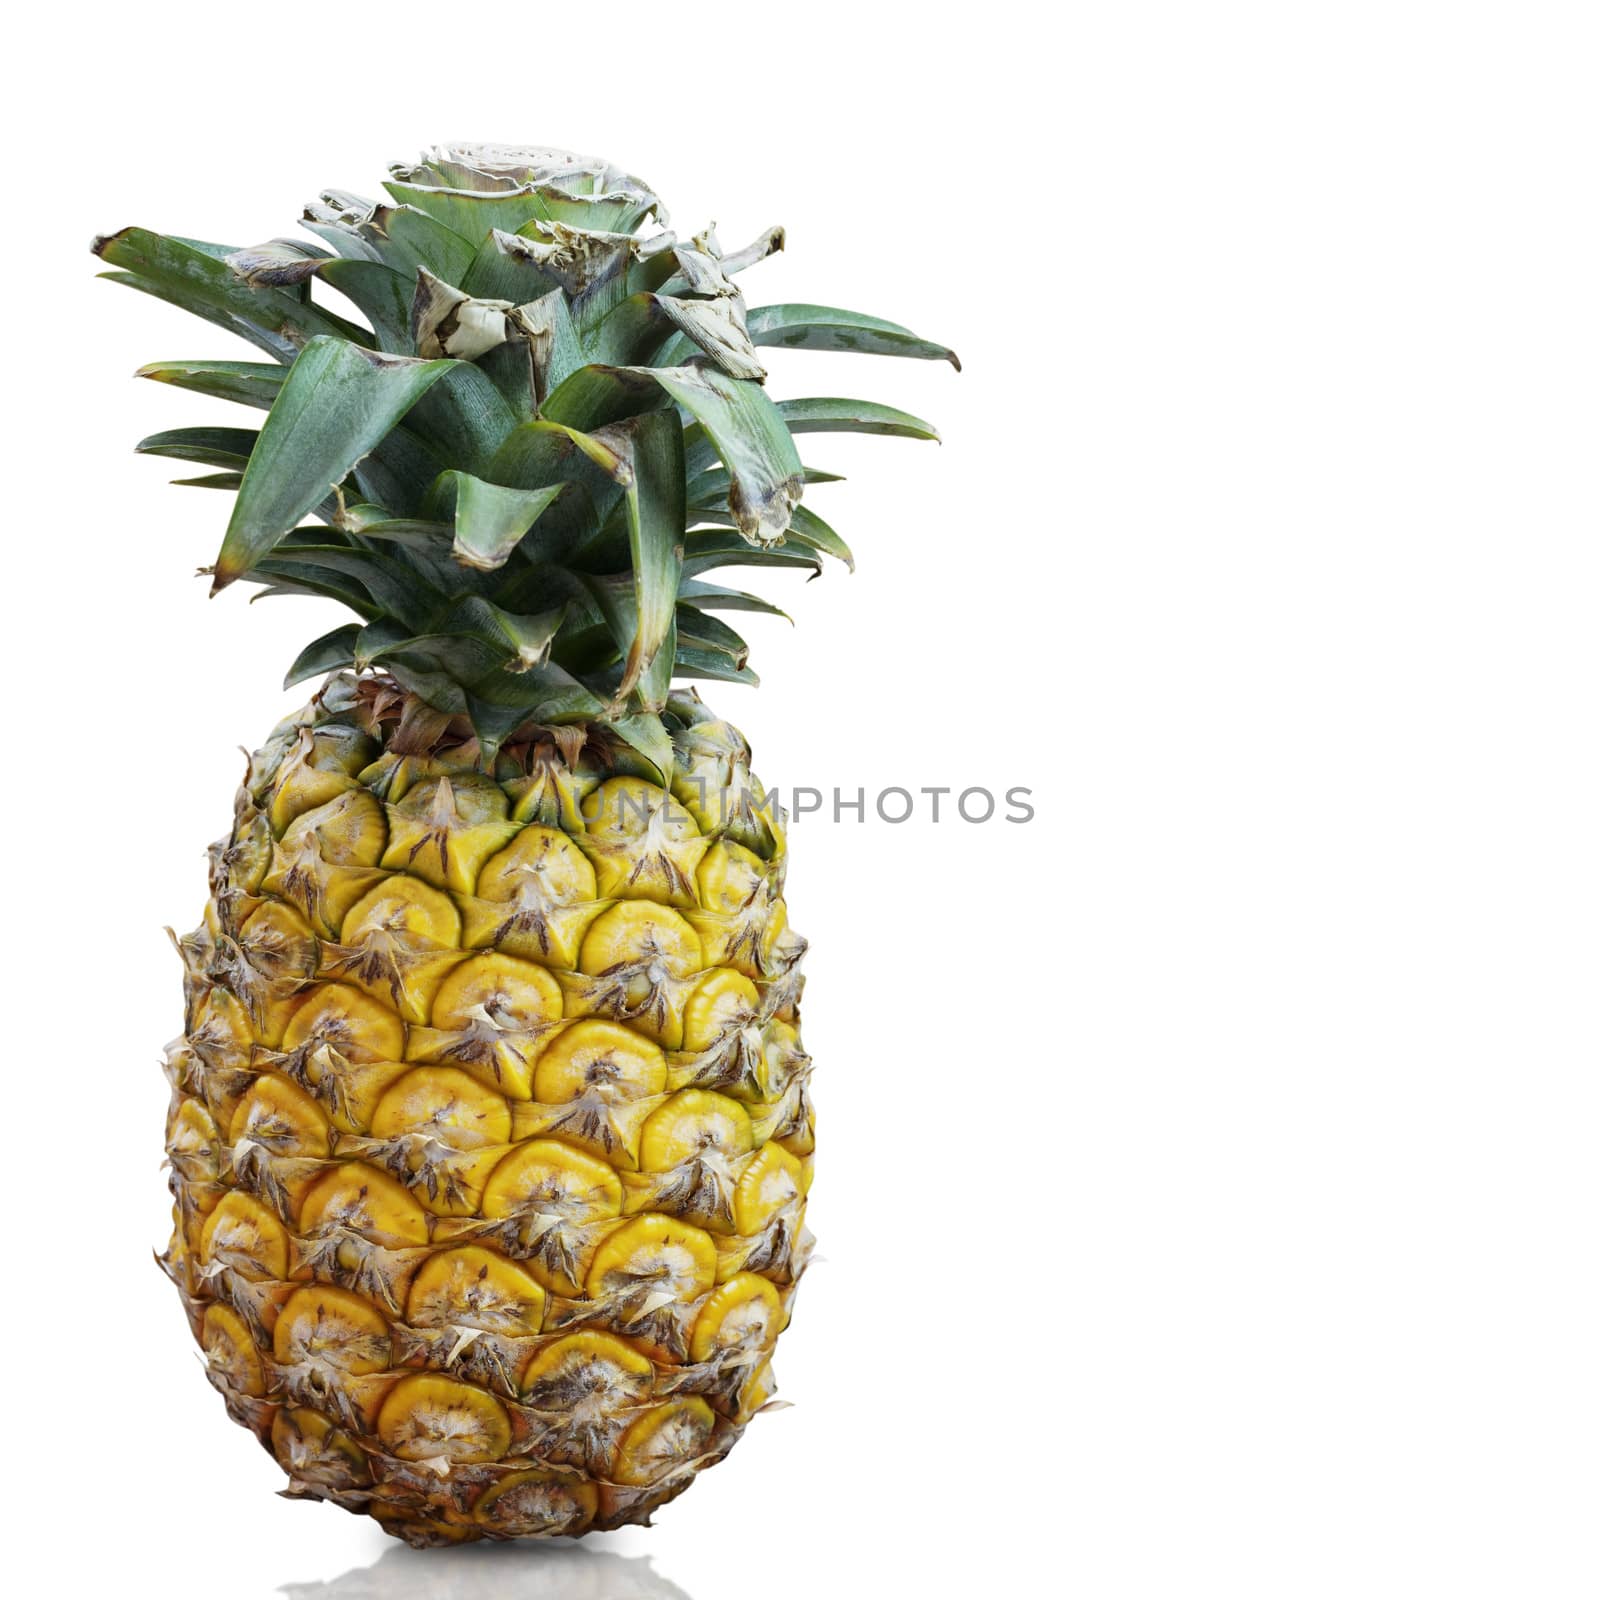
column 496, row 1572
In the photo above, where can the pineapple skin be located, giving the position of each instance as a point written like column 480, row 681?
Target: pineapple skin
column 490, row 1130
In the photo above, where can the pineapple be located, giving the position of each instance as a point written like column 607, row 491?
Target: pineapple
column 490, row 1130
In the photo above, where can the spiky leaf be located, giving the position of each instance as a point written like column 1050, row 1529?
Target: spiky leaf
column 516, row 468
column 337, row 402
column 333, row 650
column 822, row 415
column 801, row 327
column 748, row 433
column 179, row 270
column 491, row 520
column 210, row 447
column 251, row 383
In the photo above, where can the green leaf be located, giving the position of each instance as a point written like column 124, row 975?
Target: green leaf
column 749, row 435
column 655, row 536
column 381, row 635
column 337, row 402
column 528, row 638
column 699, row 631
column 646, row 734
column 310, row 578
column 471, row 215
column 501, row 702
column 820, row 415
column 210, row 447
column 491, row 520
column 473, row 212
column 474, row 637
column 382, row 295
column 799, row 327
column 400, row 237
column 704, row 552
column 212, row 480
column 493, row 724
column 186, row 275
column 710, row 489
column 713, row 597
column 390, row 586
column 565, row 354
column 327, row 654
column 541, row 354
column 465, row 418
column 409, row 238
column 499, row 271
column 384, row 298
column 606, row 213
column 808, row 528
column 547, row 692
column 596, row 396
column 399, row 472
column 420, row 677
column 692, row 663
column 540, row 455
column 251, row 383
column 372, row 522
column 586, row 649
column 649, row 455
column 631, row 332
column 423, row 578
column 699, row 451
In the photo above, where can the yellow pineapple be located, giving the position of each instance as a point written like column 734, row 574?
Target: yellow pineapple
column 491, row 1132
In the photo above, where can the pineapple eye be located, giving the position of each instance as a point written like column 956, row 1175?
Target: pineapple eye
column 231, row 1352
column 538, row 1504
column 720, row 1000
column 744, row 1314
column 357, row 1199
column 587, row 1368
column 242, row 1234
column 328, row 1330
column 282, row 1117
column 603, row 1058
column 694, row 1122
column 356, row 1025
column 471, row 1287
column 454, row 1107
column 664, row 1439
column 444, row 830
column 438, row 1420
column 313, row 1450
column 653, row 1257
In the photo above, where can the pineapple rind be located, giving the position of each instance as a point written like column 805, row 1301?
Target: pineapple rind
column 434, row 1298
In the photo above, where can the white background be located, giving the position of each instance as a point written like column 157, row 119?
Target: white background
column 1208, row 1183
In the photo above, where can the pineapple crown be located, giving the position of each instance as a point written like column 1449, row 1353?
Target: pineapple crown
column 518, row 475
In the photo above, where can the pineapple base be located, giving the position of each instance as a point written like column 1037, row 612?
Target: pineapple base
column 490, row 1130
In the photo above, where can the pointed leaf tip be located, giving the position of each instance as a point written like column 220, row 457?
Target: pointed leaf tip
column 811, row 327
